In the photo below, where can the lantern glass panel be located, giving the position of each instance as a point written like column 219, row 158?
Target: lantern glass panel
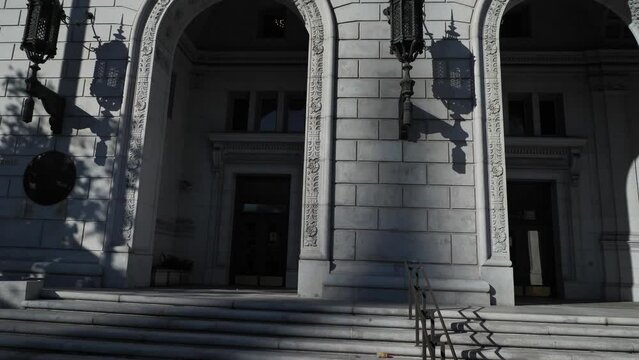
column 407, row 20
column 41, row 31
column 396, row 21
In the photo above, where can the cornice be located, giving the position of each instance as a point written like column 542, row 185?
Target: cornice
column 621, row 57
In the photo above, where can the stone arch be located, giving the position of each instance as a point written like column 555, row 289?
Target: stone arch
column 485, row 32
column 158, row 28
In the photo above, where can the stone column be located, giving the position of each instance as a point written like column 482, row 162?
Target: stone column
column 618, row 185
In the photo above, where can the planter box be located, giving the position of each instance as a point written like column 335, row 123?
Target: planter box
column 169, row 277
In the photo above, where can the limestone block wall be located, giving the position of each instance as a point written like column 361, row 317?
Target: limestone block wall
column 393, row 200
column 65, row 241
column 405, row 200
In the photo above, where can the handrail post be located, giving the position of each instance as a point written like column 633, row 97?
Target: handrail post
column 417, row 299
column 417, row 320
column 409, row 282
column 439, row 313
column 425, row 336
column 431, row 320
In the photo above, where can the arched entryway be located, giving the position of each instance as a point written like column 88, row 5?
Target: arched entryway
column 160, row 28
column 582, row 268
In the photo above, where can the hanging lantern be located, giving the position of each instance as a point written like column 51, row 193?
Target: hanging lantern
column 407, row 28
column 40, row 44
column 40, row 38
column 407, row 42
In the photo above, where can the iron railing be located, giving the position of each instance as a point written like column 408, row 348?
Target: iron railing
column 419, row 290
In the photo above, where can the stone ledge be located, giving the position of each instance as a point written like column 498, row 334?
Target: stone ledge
column 13, row 293
column 394, row 282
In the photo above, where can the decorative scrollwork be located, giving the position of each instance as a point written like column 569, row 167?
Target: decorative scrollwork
column 495, row 136
column 634, row 10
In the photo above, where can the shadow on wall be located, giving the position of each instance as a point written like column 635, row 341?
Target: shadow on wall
column 453, row 85
column 41, row 236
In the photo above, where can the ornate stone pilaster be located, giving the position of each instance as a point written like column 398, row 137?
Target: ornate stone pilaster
column 496, row 160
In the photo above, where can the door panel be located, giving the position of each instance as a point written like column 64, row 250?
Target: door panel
column 532, row 238
column 260, row 230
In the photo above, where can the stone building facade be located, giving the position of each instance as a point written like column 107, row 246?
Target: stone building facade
column 258, row 141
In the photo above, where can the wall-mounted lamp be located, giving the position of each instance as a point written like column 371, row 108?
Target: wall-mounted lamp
column 407, row 41
column 40, row 44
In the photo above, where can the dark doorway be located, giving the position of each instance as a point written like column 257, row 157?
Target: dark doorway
column 532, row 239
column 260, row 230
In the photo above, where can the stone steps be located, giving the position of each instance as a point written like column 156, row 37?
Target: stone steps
column 540, row 328
column 207, row 339
column 54, row 347
column 219, row 313
column 547, row 342
column 511, row 353
column 22, row 354
column 274, row 329
column 244, row 325
column 225, row 300
column 550, row 316
column 7, row 317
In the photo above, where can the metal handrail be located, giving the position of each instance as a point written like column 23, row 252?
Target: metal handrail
column 425, row 318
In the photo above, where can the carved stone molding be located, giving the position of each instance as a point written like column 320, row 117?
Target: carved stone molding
column 596, row 57
column 254, row 148
column 634, row 10
column 541, row 153
column 496, row 160
column 602, row 82
column 163, row 27
column 178, row 228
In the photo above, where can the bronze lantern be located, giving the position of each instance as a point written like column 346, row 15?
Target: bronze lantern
column 40, row 44
column 406, row 20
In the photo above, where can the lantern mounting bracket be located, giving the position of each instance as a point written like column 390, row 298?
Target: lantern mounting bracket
column 90, row 17
column 407, row 42
column 66, row 20
column 53, row 103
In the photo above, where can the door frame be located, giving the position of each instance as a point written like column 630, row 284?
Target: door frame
column 219, row 243
column 561, row 200
column 235, row 248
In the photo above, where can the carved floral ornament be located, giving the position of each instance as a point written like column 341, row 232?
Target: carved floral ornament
column 634, row 10
column 494, row 134
column 153, row 50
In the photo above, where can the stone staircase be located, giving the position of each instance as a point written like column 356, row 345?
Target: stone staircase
column 230, row 325
column 83, row 323
column 544, row 332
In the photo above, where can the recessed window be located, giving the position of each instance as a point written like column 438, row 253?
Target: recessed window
column 267, row 111
column 551, row 114
column 239, row 110
column 267, row 114
column 295, row 113
column 535, row 114
column 273, row 23
column 520, row 114
column 516, row 22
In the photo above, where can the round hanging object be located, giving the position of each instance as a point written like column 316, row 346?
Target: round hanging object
column 49, row 178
